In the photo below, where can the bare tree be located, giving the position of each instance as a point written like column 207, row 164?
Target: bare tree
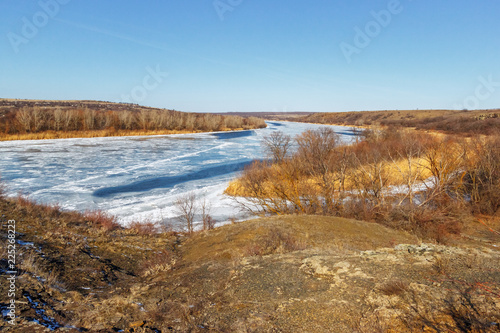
column 370, row 178
column 2, row 188
column 208, row 221
column 38, row 119
column 233, row 122
column 444, row 159
column 189, row 121
column 277, row 146
column 69, row 120
column 410, row 152
column 186, row 207
column 316, row 151
column 89, row 118
column 125, row 118
column 58, row 119
column 25, row 118
column 143, row 118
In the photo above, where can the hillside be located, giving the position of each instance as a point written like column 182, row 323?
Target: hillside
column 281, row 274
column 31, row 119
column 450, row 121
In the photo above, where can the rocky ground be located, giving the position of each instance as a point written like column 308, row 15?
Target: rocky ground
column 280, row 274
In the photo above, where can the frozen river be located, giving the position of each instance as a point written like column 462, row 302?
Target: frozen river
column 137, row 178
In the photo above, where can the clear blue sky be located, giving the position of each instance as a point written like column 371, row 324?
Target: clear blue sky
column 254, row 55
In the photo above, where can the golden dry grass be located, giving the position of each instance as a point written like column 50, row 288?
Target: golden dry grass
column 397, row 172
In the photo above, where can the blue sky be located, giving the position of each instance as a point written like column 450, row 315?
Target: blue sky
column 254, row 55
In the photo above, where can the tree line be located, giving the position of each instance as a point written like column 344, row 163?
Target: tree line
column 37, row 120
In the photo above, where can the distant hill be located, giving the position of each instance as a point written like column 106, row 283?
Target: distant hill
column 451, row 121
column 289, row 116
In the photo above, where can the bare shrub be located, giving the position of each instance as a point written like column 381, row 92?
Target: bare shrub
column 146, row 228
column 36, row 209
column 277, row 146
column 275, row 241
column 427, row 222
column 233, row 122
column 186, row 207
column 254, row 122
column 315, row 152
column 482, row 179
column 266, row 188
column 440, row 179
column 2, row 189
column 101, row 220
column 208, row 221
column 394, row 287
column 159, row 262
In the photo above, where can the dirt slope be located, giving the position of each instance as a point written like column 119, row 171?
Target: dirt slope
column 280, row 274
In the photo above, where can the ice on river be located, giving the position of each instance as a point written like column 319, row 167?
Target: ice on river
column 137, row 178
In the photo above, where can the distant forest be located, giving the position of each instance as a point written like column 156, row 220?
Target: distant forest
column 27, row 117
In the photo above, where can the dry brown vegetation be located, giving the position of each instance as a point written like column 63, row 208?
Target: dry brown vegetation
column 308, row 270
column 449, row 121
column 281, row 274
column 45, row 120
column 424, row 183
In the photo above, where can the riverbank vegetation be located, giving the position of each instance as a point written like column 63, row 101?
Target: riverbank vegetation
column 425, row 183
column 25, row 120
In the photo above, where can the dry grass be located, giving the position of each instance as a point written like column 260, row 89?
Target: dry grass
column 32, row 264
column 162, row 261
column 145, row 228
column 276, row 240
column 320, row 232
column 397, row 172
column 393, row 287
column 108, row 313
column 134, row 280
